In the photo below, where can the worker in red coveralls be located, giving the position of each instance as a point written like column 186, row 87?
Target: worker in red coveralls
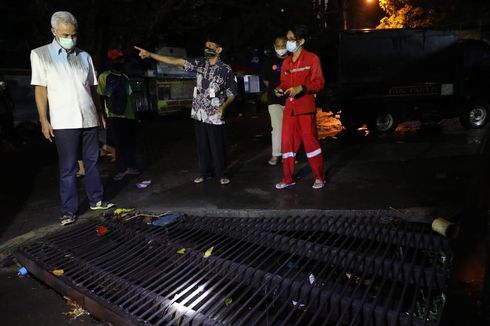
column 301, row 78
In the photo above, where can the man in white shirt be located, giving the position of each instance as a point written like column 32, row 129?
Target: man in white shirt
column 65, row 86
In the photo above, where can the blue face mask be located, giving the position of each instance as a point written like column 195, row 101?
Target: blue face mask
column 67, row 43
column 291, row 46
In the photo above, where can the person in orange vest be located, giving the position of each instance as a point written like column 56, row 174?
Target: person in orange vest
column 301, row 78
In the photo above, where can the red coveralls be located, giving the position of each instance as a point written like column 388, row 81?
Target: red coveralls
column 299, row 123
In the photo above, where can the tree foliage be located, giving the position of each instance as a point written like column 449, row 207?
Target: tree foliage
column 414, row 13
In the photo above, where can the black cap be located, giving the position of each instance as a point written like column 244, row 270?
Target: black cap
column 212, row 37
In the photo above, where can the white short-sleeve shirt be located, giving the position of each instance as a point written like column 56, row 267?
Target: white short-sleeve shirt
column 68, row 78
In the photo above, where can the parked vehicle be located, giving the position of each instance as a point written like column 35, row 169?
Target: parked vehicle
column 169, row 89
column 388, row 76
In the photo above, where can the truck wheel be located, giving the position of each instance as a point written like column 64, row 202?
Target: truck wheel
column 383, row 123
column 475, row 117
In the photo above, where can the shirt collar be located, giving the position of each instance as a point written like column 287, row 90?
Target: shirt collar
column 300, row 57
column 60, row 50
column 218, row 62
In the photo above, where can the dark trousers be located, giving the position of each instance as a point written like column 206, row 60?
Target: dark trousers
column 210, row 142
column 7, row 130
column 123, row 132
column 70, row 143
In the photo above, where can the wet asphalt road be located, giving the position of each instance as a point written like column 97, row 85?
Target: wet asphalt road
column 418, row 171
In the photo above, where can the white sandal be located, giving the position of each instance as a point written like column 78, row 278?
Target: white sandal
column 224, row 181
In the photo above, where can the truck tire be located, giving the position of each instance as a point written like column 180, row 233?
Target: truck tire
column 476, row 116
column 384, row 122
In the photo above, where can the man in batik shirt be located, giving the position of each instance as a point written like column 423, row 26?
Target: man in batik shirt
column 215, row 90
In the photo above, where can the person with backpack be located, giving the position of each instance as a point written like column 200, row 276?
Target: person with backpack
column 115, row 88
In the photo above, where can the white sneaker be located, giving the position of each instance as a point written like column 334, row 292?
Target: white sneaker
column 282, row 185
column 318, row 184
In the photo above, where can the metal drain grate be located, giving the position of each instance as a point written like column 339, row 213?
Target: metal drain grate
column 317, row 270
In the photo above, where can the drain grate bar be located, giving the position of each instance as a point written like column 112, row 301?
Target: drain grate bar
column 323, row 252
column 334, row 269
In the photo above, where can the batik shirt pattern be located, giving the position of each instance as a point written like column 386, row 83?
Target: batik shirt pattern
column 214, row 84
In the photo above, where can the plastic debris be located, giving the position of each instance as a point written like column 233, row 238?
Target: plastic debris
column 208, row 252
column 101, row 230
column 22, row 271
column 119, row 211
column 182, row 251
column 58, row 272
column 143, row 184
column 312, row 279
column 297, row 304
column 228, row 301
column 445, row 228
column 201, row 288
column 165, row 219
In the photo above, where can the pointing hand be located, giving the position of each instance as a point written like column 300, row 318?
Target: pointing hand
column 144, row 54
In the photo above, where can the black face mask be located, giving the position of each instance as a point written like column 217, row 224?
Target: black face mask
column 210, row 53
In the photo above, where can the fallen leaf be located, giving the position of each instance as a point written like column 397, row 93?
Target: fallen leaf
column 208, row 252
column 58, row 272
column 119, row 211
column 75, row 313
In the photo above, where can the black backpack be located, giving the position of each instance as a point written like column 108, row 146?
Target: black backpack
column 117, row 93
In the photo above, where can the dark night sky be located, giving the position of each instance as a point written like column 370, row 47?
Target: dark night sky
column 149, row 23
column 245, row 25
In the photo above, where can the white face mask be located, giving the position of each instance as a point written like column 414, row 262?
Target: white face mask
column 291, row 46
column 281, row 52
